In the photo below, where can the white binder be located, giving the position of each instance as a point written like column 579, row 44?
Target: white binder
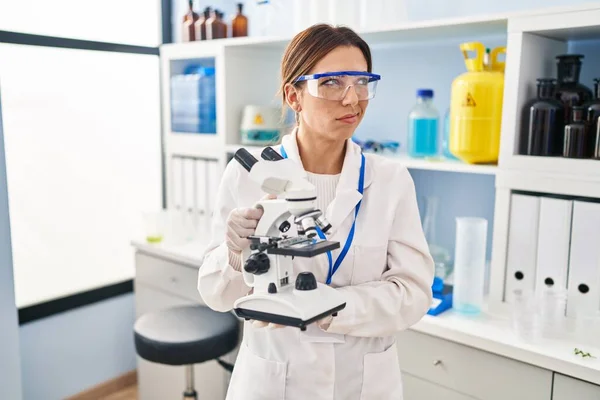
column 554, row 235
column 522, row 244
column 584, row 263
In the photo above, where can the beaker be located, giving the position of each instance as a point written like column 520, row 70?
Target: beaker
column 469, row 265
column 553, row 311
column 525, row 315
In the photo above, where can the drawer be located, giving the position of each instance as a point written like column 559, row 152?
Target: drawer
column 178, row 279
column 567, row 388
column 418, row 389
column 467, row 370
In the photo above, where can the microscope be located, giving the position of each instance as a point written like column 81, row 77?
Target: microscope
column 277, row 295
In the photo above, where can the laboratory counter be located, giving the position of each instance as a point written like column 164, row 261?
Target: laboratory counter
column 437, row 354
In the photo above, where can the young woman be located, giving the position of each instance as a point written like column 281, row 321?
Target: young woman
column 385, row 276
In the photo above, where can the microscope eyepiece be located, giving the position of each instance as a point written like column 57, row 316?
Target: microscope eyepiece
column 270, row 155
column 244, row 157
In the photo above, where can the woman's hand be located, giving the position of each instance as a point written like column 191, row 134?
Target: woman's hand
column 242, row 223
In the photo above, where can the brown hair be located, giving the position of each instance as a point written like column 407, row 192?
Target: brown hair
column 308, row 47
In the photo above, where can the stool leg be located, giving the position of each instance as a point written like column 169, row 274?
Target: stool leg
column 190, row 391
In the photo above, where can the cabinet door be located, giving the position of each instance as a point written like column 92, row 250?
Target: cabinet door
column 419, row 389
column 567, row 388
column 160, row 382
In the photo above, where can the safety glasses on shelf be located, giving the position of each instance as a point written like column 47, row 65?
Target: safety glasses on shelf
column 335, row 85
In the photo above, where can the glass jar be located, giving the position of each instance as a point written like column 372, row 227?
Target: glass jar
column 577, row 138
column 542, row 129
column 569, row 91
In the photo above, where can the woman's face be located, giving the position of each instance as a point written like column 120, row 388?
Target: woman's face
column 334, row 120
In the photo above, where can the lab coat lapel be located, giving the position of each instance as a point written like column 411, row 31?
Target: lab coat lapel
column 347, row 195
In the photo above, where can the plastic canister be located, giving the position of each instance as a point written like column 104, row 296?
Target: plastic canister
column 193, row 101
column 469, row 265
column 476, row 106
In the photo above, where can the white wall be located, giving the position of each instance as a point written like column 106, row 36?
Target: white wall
column 10, row 372
column 68, row 353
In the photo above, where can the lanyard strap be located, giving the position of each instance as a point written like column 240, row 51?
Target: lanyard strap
column 361, row 185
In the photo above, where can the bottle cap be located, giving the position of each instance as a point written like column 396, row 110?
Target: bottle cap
column 425, row 93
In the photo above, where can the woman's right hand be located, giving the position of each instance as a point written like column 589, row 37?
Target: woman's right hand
column 241, row 223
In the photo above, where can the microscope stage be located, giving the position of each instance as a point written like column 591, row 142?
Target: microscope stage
column 303, row 250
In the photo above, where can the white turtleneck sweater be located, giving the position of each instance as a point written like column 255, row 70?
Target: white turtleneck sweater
column 326, row 186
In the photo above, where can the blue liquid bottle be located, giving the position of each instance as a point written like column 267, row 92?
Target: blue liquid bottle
column 423, row 120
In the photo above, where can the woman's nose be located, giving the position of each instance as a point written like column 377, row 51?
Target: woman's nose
column 350, row 97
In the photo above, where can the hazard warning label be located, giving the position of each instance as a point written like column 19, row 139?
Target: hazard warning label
column 469, row 101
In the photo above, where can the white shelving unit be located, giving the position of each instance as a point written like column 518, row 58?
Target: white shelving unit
column 247, row 71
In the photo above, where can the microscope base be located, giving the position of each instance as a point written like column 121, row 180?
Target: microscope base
column 291, row 307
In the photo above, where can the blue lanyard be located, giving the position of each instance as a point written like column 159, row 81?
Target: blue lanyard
column 338, row 261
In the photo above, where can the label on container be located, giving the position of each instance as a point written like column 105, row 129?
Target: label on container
column 469, row 101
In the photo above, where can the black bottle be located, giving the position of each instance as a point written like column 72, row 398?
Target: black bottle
column 542, row 132
column 568, row 89
column 576, row 144
column 597, row 140
column 593, row 110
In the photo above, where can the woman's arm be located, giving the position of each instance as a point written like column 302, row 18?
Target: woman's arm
column 220, row 280
column 403, row 295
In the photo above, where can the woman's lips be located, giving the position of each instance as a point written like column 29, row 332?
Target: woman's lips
column 349, row 118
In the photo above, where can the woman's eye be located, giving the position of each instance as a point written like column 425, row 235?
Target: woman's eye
column 330, row 82
column 362, row 82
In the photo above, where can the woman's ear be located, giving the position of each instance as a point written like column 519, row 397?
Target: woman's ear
column 292, row 97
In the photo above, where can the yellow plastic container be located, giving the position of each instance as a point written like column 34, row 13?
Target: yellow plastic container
column 476, row 107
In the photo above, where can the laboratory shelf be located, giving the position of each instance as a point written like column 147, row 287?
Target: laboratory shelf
column 442, row 164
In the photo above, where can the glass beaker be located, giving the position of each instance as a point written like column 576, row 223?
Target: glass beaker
column 441, row 256
column 525, row 315
column 553, row 312
column 469, row 265
column 155, row 225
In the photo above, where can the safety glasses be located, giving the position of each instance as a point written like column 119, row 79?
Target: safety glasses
column 335, row 85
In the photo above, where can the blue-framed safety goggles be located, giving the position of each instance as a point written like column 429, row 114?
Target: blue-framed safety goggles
column 335, row 85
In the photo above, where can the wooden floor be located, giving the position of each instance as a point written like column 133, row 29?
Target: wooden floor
column 128, row 393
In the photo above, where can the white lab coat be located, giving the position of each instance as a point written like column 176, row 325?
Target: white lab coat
column 386, row 278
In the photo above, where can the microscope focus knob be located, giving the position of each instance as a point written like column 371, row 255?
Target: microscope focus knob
column 306, row 281
column 257, row 264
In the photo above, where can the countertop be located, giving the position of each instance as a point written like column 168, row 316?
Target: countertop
column 486, row 332
column 494, row 334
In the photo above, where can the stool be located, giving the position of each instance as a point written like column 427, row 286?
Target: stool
column 186, row 336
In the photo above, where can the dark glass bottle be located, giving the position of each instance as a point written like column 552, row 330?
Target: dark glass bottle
column 542, row 132
column 577, row 135
column 593, row 112
column 200, row 25
column 239, row 23
column 222, row 25
column 188, row 33
column 212, row 28
column 597, row 140
column 568, row 89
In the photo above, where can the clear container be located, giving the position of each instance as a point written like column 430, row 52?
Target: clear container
column 155, row 226
column 441, row 256
column 525, row 316
column 469, row 265
column 553, row 311
column 587, row 330
column 193, row 101
column 423, row 119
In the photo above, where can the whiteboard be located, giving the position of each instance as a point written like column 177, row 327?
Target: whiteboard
column 82, row 140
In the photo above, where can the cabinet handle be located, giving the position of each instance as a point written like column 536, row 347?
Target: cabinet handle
column 437, row 362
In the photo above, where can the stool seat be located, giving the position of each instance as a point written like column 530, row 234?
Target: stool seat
column 185, row 335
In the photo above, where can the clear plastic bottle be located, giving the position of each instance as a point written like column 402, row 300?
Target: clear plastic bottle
column 423, row 120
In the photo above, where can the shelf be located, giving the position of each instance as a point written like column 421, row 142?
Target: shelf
column 564, row 168
column 442, row 164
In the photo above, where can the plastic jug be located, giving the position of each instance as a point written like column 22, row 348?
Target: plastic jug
column 469, row 265
column 476, row 106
